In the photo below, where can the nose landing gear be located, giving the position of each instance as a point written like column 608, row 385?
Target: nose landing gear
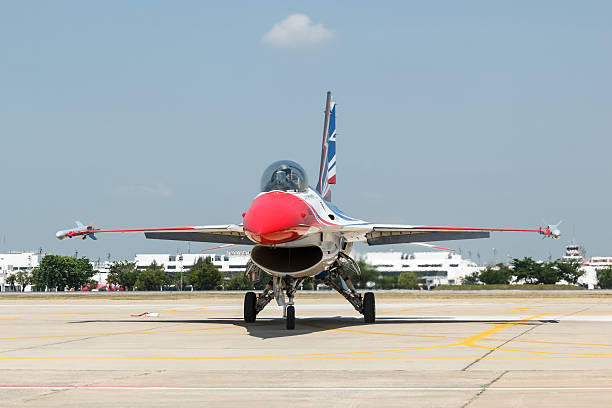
column 289, row 285
column 253, row 304
column 290, row 319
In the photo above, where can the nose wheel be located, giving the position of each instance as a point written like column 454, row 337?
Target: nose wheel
column 290, row 319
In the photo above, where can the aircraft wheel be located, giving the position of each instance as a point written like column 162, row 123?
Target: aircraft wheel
column 250, row 302
column 290, row 317
column 369, row 308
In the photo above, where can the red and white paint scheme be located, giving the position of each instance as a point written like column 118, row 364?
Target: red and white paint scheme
column 296, row 232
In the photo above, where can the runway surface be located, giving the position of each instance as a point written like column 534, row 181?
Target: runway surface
column 423, row 351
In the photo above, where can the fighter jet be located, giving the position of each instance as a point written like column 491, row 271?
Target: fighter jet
column 296, row 232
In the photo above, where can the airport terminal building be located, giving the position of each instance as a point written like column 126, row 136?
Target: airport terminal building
column 434, row 268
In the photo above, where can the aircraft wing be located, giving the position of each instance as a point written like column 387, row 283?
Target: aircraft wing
column 384, row 234
column 223, row 234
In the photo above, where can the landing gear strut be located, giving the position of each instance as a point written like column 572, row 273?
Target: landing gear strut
column 365, row 305
column 289, row 285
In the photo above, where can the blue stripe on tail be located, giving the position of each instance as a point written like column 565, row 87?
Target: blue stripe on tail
column 327, row 172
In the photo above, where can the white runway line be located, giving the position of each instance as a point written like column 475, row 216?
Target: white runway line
column 164, row 388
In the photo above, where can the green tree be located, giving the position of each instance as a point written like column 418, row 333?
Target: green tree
column 569, row 271
column 530, row 271
column 203, row 275
column 261, row 282
column 549, row 274
column 384, row 281
column 175, row 279
column 123, row 274
column 495, row 275
column 238, row 282
column 308, row 284
column 62, row 272
column 526, row 270
column 472, row 279
column 152, row 278
column 407, row 280
column 604, row 278
column 10, row 280
column 368, row 274
column 23, row 279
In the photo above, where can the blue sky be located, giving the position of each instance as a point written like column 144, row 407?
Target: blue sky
column 165, row 113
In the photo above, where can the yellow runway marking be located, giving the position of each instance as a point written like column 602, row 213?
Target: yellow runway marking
column 40, row 314
column 381, row 333
column 470, row 341
column 297, row 357
column 44, row 315
column 179, row 311
column 410, row 308
column 553, row 342
column 522, row 308
column 117, row 333
column 319, row 326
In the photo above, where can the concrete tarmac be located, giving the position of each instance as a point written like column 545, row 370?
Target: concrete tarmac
column 453, row 351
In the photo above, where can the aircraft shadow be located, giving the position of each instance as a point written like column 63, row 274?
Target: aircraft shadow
column 267, row 328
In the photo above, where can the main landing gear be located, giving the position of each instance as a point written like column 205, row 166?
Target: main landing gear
column 366, row 304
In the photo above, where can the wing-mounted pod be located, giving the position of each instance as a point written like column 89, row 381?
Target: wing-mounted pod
column 80, row 231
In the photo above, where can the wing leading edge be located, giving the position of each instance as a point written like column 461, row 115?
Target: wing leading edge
column 222, row 234
column 385, row 234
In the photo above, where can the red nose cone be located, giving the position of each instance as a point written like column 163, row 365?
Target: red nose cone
column 276, row 217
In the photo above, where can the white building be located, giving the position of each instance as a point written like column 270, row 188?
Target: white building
column 435, row 268
column 14, row 262
column 231, row 262
column 575, row 252
column 590, row 267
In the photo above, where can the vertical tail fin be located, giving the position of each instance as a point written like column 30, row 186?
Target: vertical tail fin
column 327, row 171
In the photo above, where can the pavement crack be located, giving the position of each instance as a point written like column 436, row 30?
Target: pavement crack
column 47, row 344
column 76, row 340
column 90, row 384
column 501, row 345
column 484, row 388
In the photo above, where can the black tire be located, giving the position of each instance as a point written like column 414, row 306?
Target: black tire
column 290, row 317
column 250, row 302
column 369, row 308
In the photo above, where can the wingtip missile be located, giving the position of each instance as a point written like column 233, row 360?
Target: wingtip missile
column 552, row 230
column 80, row 231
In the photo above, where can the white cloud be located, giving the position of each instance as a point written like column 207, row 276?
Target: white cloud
column 296, row 30
column 158, row 190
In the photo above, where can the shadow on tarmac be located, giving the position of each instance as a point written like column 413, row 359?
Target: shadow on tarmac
column 267, row 328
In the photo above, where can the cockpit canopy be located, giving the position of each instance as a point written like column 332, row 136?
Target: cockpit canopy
column 284, row 175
